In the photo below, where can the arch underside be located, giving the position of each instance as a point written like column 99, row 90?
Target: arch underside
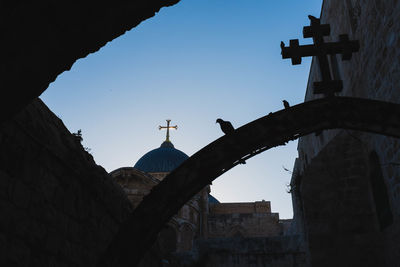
column 44, row 38
column 141, row 229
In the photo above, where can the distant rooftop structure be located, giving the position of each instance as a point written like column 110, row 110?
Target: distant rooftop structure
column 163, row 159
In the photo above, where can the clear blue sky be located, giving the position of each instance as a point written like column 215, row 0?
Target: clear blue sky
column 192, row 63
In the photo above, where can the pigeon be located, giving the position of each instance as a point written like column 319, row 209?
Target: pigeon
column 286, row 104
column 313, row 19
column 226, row 126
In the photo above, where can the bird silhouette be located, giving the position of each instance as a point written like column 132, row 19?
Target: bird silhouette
column 313, row 19
column 286, row 104
column 241, row 161
column 282, row 44
column 226, row 126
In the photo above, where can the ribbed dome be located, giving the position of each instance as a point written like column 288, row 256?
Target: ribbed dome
column 163, row 159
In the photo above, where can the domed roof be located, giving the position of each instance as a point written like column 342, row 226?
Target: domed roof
column 212, row 199
column 163, row 159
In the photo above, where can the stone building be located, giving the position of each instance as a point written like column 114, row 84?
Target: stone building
column 201, row 218
column 148, row 171
column 346, row 184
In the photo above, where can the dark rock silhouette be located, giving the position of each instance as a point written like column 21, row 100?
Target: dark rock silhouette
column 226, row 126
column 286, row 104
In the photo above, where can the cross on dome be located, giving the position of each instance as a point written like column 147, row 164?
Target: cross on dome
column 168, row 127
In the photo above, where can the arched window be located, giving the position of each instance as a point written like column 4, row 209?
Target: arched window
column 379, row 192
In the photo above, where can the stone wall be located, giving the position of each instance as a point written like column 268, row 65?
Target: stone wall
column 245, row 219
column 244, row 224
column 58, row 207
column 238, row 252
column 339, row 212
column 178, row 234
column 135, row 183
column 243, row 207
column 373, row 72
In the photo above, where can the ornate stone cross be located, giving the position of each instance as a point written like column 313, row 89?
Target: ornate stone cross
column 168, row 127
column 317, row 31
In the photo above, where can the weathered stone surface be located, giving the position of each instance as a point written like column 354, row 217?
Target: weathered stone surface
column 245, row 225
column 339, row 218
column 244, row 207
column 58, row 207
column 237, row 252
column 374, row 73
column 249, row 219
column 42, row 39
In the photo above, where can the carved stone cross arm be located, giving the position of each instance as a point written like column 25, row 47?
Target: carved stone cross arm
column 321, row 50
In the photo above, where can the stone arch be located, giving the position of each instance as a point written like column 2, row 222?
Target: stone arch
column 247, row 141
column 51, row 48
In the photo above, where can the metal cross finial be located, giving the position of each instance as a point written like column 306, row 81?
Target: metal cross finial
column 168, row 127
column 321, row 49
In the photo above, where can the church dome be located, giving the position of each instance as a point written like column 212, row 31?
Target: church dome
column 212, row 200
column 163, row 159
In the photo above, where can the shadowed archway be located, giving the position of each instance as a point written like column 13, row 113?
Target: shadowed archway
column 44, row 38
column 140, row 230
